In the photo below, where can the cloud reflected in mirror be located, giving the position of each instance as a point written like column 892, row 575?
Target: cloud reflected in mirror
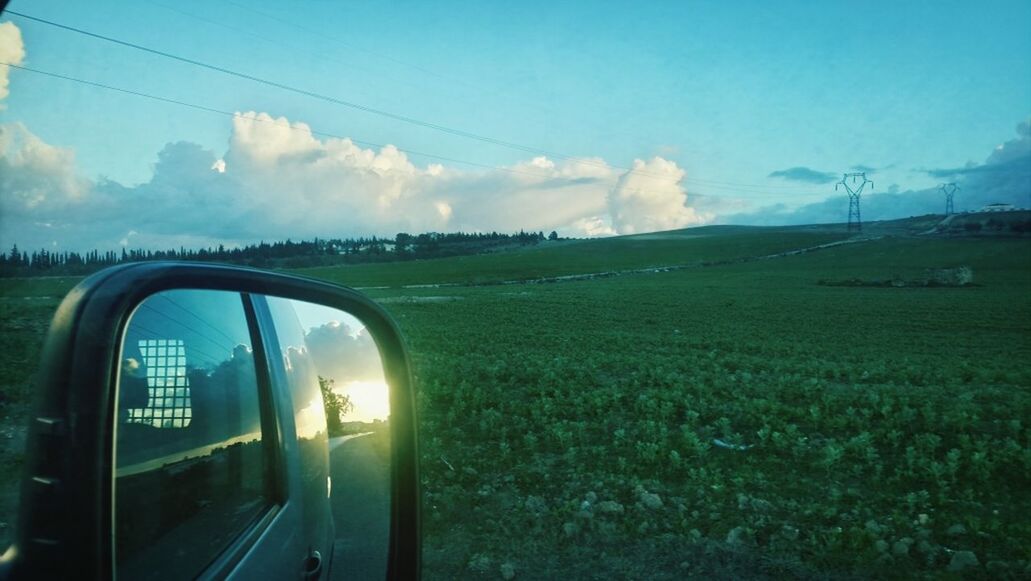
column 347, row 362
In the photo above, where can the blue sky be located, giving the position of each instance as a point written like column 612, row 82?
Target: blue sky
column 769, row 95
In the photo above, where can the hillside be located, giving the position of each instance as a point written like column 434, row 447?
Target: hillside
column 676, row 248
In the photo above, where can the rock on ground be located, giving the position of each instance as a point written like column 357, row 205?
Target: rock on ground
column 963, row 559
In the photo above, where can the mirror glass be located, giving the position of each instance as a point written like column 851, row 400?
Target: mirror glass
column 213, row 433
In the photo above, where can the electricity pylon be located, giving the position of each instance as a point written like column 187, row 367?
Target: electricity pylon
column 949, row 190
column 855, row 222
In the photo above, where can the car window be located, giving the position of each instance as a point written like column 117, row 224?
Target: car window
column 191, row 469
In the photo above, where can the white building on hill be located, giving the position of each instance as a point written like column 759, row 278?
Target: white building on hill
column 998, row 208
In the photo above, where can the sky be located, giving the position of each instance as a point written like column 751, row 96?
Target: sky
column 589, row 118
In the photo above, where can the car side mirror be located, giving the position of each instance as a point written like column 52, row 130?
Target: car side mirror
column 204, row 420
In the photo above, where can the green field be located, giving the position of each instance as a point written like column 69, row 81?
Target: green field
column 729, row 419
column 575, row 257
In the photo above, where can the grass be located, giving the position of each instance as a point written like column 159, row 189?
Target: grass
column 580, row 257
column 734, row 420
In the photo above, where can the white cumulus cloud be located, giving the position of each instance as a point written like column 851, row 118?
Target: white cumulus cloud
column 36, row 177
column 12, row 51
column 277, row 180
column 650, row 198
column 591, row 226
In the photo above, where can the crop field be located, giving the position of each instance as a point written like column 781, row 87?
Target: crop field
column 729, row 419
column 26, row 306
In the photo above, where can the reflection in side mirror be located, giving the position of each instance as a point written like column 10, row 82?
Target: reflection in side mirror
column 233, row 406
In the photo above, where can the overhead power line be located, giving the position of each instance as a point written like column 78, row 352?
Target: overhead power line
column 379, row 55
column 375, row 54
column 313, row 94
column 447, row 79
column 308, row 129
column 270, row 121
column 390, row 115
column 311, row 53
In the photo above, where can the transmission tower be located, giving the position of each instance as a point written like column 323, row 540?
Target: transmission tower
column 855, row 222
column 949, row 190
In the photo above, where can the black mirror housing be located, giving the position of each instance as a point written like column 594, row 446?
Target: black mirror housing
column 65, row 513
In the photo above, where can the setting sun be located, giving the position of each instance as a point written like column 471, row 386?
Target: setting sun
column 371, row 400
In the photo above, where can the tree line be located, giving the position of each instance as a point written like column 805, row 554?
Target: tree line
column 284, row 254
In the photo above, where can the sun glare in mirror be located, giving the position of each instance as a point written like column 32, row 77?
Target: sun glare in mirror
column 370, row 400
